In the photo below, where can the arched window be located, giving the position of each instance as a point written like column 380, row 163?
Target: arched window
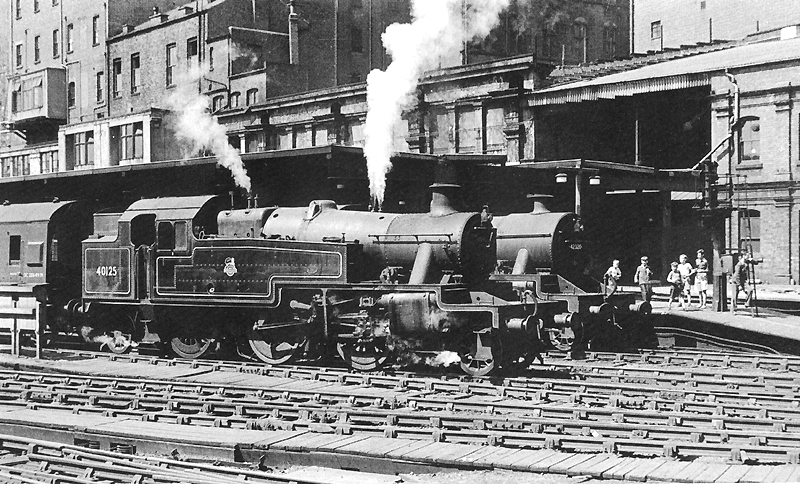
column 217, row 103
column 233, row 100
column 750, row 231
column 750, row 140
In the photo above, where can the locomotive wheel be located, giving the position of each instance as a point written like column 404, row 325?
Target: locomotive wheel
column 562, row 339
column 363, row 354
column 118, row 342
column 191, row 348
column 277, row 346
column 480, row 353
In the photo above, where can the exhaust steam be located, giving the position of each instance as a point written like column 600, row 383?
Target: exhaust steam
column 438, row 31
column 199, row 130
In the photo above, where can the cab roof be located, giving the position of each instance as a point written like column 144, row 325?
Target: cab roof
column 168, row 208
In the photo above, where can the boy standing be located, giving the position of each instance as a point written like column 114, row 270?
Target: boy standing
column 674, row 280
column 642, row 277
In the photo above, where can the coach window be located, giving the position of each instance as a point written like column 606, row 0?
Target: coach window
column 35, row 253
column 181, row 235
column 14, row 249
column 166, row 236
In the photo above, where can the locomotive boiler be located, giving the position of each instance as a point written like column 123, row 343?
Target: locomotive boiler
column 542, row 253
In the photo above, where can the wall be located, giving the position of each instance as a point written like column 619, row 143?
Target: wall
column 766, row 184
column 692, row 21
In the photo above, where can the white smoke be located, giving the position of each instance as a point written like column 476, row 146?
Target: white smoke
column 438, row 30
column 199, row 129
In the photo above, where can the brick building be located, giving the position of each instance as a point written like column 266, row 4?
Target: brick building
column 658, row 24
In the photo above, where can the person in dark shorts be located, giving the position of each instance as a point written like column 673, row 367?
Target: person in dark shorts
column 642, row 277
column 675, row 285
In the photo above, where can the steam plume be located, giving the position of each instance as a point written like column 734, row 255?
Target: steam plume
column 438, row 30
column 199, row 129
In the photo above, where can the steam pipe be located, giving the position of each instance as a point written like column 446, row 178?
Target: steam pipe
column 422, row 264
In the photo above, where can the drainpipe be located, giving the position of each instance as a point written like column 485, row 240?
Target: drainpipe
column 294, row 31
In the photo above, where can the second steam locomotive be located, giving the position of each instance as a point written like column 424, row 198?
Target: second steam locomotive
column 311, row 282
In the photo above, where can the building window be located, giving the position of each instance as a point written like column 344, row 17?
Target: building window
column 37, row 53
column 191, row 52
column 69, row 38
column 99, row 81
column 578, row 39
column 609, row 41
column 18, row 55
column 71, row 94
column 84, row 148
column 18, row 8
column 356, row 40
column 35, row 5
column 750, row 231
column 171, row 52
column 27, row 94
column 210, row 58
column 116, row 77
column 16, row 166
column 655, row 30
column 96, row 30
column 55, row 43
column 252, row 96
column 129, row 141
column 217, row 103
column 48, row 162
column 233, row 101
column 136, row 78
column 750, row 140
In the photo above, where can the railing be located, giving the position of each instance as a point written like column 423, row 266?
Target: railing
column 20, row 311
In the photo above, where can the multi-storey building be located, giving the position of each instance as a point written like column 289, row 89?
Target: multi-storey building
column 658, row 24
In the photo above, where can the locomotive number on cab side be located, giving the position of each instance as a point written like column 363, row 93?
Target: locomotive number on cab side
column 109, row 271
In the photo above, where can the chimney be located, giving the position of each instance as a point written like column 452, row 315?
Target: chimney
column 127, row 28
column 441, row 200
column 294, row 41
column 162, row 17
column 540, row 203
column 187, row 10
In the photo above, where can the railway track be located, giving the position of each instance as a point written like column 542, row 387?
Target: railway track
column 33, row 461
column 747, row 410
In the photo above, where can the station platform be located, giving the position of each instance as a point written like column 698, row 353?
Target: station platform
column 772, row 323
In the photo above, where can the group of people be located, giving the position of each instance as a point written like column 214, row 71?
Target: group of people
column 682, row 278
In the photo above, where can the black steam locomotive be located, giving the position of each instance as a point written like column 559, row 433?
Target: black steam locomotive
column 303, row 283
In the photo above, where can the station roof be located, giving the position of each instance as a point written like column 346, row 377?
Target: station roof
column 687, row 72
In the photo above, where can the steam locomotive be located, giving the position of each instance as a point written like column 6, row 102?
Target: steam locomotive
column 305, row 283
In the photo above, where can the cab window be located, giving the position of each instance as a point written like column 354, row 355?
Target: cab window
column 181, row 235
column 166, row 236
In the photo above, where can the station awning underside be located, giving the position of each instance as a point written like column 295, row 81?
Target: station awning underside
column 620, row 176
column 684, row 73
